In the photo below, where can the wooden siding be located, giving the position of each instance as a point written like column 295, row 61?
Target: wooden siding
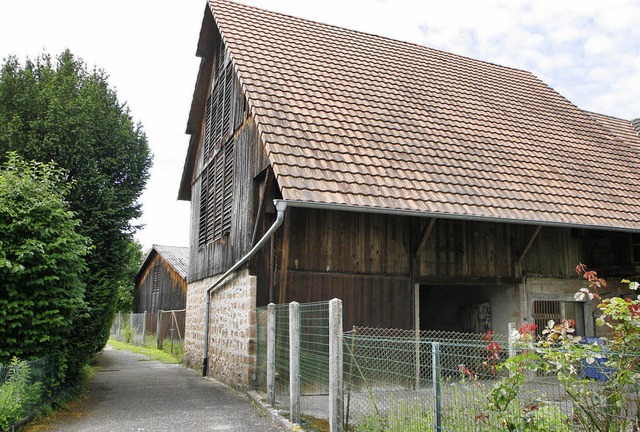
column 371, row 244
column 170, row 289
column 217, row 256
column 371, row 301
column 370, row 261
column 458, row 250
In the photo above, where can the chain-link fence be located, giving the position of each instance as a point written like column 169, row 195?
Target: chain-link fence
column 314, row 356
column 403, row 380
column 24, row 389
column 162, row 329
column 390, row 382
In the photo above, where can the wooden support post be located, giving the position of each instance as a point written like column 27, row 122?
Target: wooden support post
column 294, row 362
column 144, row 327
column 284, row 264
column 158, row 315
column 271, row 354
column 266, row 187
column 336, row 409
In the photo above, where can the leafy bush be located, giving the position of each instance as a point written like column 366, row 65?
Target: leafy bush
column 18, row 394
column 41, row 262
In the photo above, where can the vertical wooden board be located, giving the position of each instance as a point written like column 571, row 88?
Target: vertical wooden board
column 339, row 287
column 365, row 292
column 375, row 306
column 341, row 242
column 356, row 309
column 387, row 293
column 490, row 237
column 362, row 243
column 396, row 303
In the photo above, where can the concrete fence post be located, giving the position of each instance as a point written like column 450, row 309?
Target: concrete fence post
column 511, row 335
column 437, row 391
column 271, row 354
column 336, row 406
column 294, row 362
column 119, row 326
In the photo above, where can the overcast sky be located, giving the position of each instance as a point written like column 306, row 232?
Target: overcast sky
column 589, row 51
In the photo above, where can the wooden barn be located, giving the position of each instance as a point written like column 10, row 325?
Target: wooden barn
column 161, row 282
column 425, row 189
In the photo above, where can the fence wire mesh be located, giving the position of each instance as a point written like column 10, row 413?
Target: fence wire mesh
column 389, row 377
column 390, row 384
column 170, row 330
column 403, row 380
column 24, row 389
column 314, row 356
column 160, row 329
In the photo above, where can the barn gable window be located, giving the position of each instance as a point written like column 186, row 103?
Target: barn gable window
column 216, row 178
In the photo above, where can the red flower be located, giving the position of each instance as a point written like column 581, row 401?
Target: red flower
column 487, row 336
column 634, row 310
column 528, row 329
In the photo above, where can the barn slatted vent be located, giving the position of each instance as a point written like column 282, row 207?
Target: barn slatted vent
column 216, row 188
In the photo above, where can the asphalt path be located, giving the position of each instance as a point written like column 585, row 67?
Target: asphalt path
column 129, row 392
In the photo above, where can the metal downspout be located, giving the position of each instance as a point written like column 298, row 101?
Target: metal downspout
column 281, row 206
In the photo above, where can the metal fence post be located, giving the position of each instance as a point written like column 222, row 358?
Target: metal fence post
column 271, row 354
column 437, row 391
column 294, row 362
column 336, row 406
column 158, row 346
column 511, row 333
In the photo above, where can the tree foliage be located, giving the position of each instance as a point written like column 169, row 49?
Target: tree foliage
column 41, row 262
column 124, row 301
column 59, row 110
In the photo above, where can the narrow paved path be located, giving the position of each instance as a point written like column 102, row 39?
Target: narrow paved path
column 131, row 393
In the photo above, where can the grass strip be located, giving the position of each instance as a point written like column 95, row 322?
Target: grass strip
column 152, row 353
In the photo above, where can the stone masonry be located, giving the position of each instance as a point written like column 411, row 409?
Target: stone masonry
column 232, row 328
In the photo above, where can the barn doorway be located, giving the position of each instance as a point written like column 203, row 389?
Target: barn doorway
column 467, row 308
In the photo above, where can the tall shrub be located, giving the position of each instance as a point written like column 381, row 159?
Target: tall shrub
column 57, row 109
column 41, row 264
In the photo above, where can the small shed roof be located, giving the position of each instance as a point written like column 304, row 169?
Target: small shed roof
column 354, row 119
column 176, row 256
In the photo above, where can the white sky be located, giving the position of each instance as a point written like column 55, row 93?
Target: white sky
column 587, row 50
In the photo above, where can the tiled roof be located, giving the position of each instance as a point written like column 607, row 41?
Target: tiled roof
column 360, row 120
column 620, row 129
column 176, row 256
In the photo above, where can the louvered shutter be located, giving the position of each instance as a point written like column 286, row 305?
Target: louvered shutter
column 216, row 201
column 228, row 186
column 204, row 192
column 210, row 204
column 219, row 194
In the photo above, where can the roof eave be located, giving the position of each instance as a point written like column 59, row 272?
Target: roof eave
column 444, row 215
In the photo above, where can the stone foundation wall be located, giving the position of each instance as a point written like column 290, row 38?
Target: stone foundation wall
column 232, row 328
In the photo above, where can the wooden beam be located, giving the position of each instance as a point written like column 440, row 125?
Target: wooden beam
column 523, row 255
column 425, row 236
column 531, row 240
column 266, row 188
